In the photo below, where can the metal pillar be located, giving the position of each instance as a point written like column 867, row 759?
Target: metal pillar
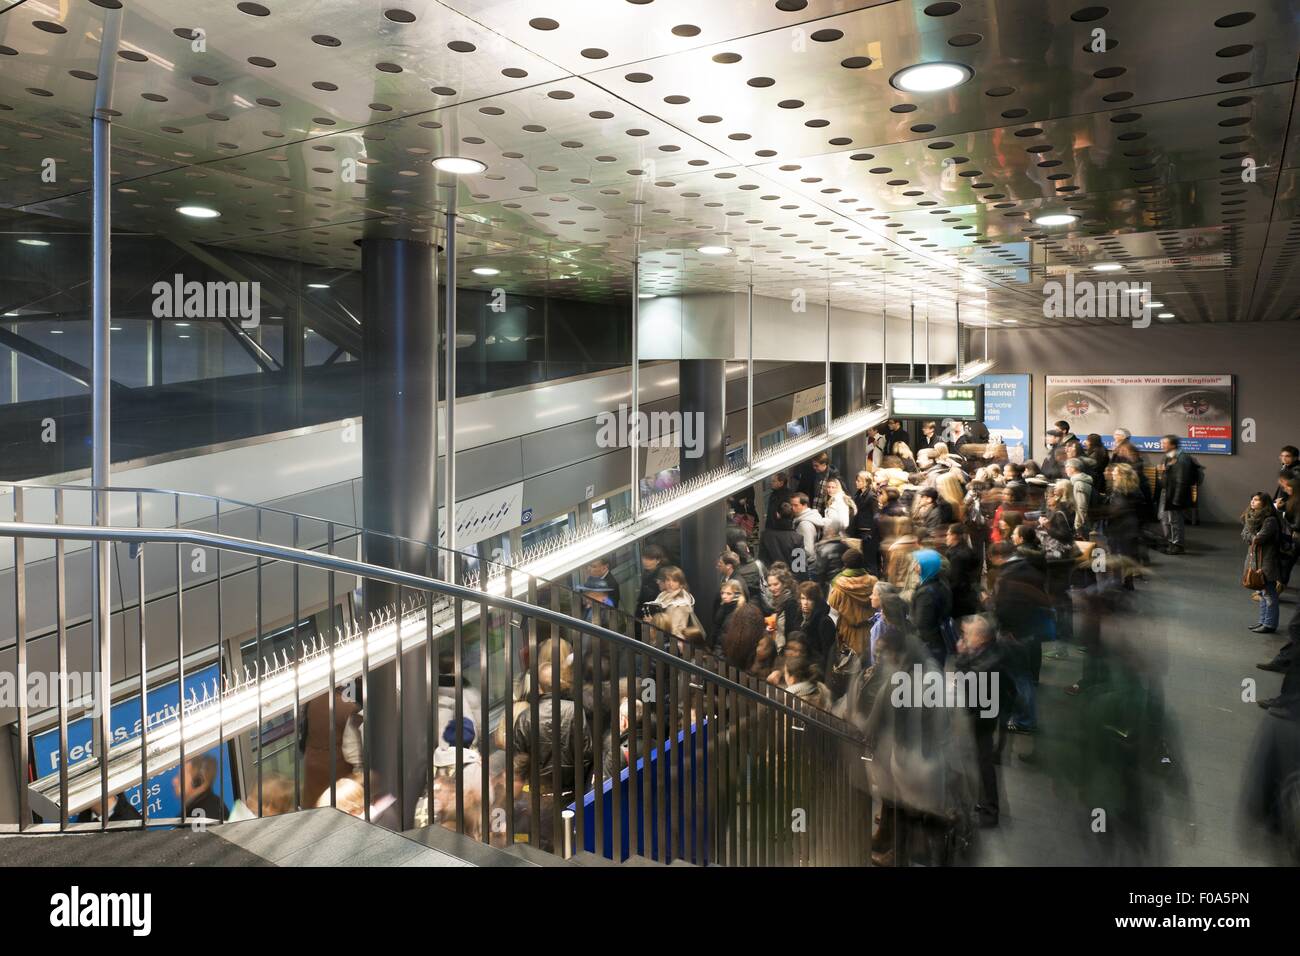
column 449, row 385
column 749, row 382
column 826, row 396
column 961, row 346
column 911, row 360
column 704, row 532
column 399, row 455
column 634, row 432
column 849, row 382
column 101, row 386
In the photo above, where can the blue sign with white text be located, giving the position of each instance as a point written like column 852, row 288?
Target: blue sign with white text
column 125, row 725
column 1006, row 411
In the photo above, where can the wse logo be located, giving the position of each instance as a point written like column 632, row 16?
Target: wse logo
column 211, row 300
column 71, row 910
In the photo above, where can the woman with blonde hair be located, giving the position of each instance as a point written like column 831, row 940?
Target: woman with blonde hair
column 951, row 490
column 674, row 609
column 839, row 506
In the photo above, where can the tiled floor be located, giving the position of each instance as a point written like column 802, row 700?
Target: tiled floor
column 1190, row 624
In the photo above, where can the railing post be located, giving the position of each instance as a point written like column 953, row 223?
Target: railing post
column 20, row 651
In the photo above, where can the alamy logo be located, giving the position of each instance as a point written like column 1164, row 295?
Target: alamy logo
column 179, row 299
column 959, row 689
column 658, row 429
column 76, row 909
column 1087, row 299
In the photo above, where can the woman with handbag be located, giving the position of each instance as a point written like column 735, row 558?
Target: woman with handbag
column 1261, row 529
column 673, row 610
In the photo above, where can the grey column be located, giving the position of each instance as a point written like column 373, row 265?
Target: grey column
column 848, row 394
column 399, row 455
column 704, row 533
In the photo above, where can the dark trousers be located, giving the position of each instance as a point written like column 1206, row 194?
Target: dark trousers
column 986, row 729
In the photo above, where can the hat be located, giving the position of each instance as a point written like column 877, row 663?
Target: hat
column 466, row 735
column 929, row 493
column 596, row 584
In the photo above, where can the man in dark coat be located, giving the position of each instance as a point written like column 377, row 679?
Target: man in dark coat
column 1177, row 476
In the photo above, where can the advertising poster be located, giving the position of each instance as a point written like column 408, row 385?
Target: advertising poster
column 1006, row 411
column 1197, row 408
column 163, row 702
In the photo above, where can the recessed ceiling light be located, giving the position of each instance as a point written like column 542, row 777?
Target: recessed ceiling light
column 183, row 336
column 115, row 328
column 931, row 77
column 1155, row 305
column 1165, row 315
column 33, row 242
column 198, row 212
column 1010, row 321
column 56, row 331
column 317, row 285
column 647, row 295
column 182, row 325
column 11, row 315
column 714, row 250
column 458, row 165
column 1056, row 219
column 844, row 282
column 486, row 271
column 1107, row 267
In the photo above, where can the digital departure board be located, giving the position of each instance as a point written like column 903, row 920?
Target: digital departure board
column 965, row 402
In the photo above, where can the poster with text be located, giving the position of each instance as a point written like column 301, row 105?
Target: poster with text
column 1006, row 411
column 1196, row 408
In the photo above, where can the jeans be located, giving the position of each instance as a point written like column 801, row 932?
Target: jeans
column 1171, row 520
column 1268, row 605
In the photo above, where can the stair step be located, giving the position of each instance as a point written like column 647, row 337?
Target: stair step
column 466, row 848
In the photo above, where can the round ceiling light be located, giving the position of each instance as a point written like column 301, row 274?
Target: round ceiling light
column 458, row 165
column 647, row 295
column 33, row 242
column 714, row 250
column 486, row 271
column 1107, row 267
column 1056, row 219
column 198, row 212
column 1165, row 315
column 931, row 77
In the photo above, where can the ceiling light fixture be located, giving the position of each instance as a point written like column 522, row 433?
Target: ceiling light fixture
column 1107, row 267
column 1056, row 219
column 486, row 271
column 317, row 285
column 56, row 331
column 647, row 295
column 458, row 165
column 1165, row 315
column 198, row 212
column 931, row 77
column 714, row 250
column 1155, row 305
column 33, row 242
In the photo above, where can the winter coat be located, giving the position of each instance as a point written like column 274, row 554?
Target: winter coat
column 850, row 597
column 779, row 545
column 569, row 776
column 814, row 692
column 672, row 612
column 1177, row 478
column 830, row 559
column 1268, row 537
column 964, row 577
column 1081, row 486
column 931, row 600
column 839, row 509
column 819, row 631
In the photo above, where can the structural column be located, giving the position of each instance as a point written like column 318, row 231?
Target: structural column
column 704, row 533
column 848, row 394
column 399, row 457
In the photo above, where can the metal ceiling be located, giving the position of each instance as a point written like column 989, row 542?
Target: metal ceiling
column 614, row 129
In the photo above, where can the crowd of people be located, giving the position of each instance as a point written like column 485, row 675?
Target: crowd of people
column 948, row 559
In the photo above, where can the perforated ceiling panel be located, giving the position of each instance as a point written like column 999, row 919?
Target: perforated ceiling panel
column 623, row 130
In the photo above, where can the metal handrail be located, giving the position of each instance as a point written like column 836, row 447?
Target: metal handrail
column 327, row 562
